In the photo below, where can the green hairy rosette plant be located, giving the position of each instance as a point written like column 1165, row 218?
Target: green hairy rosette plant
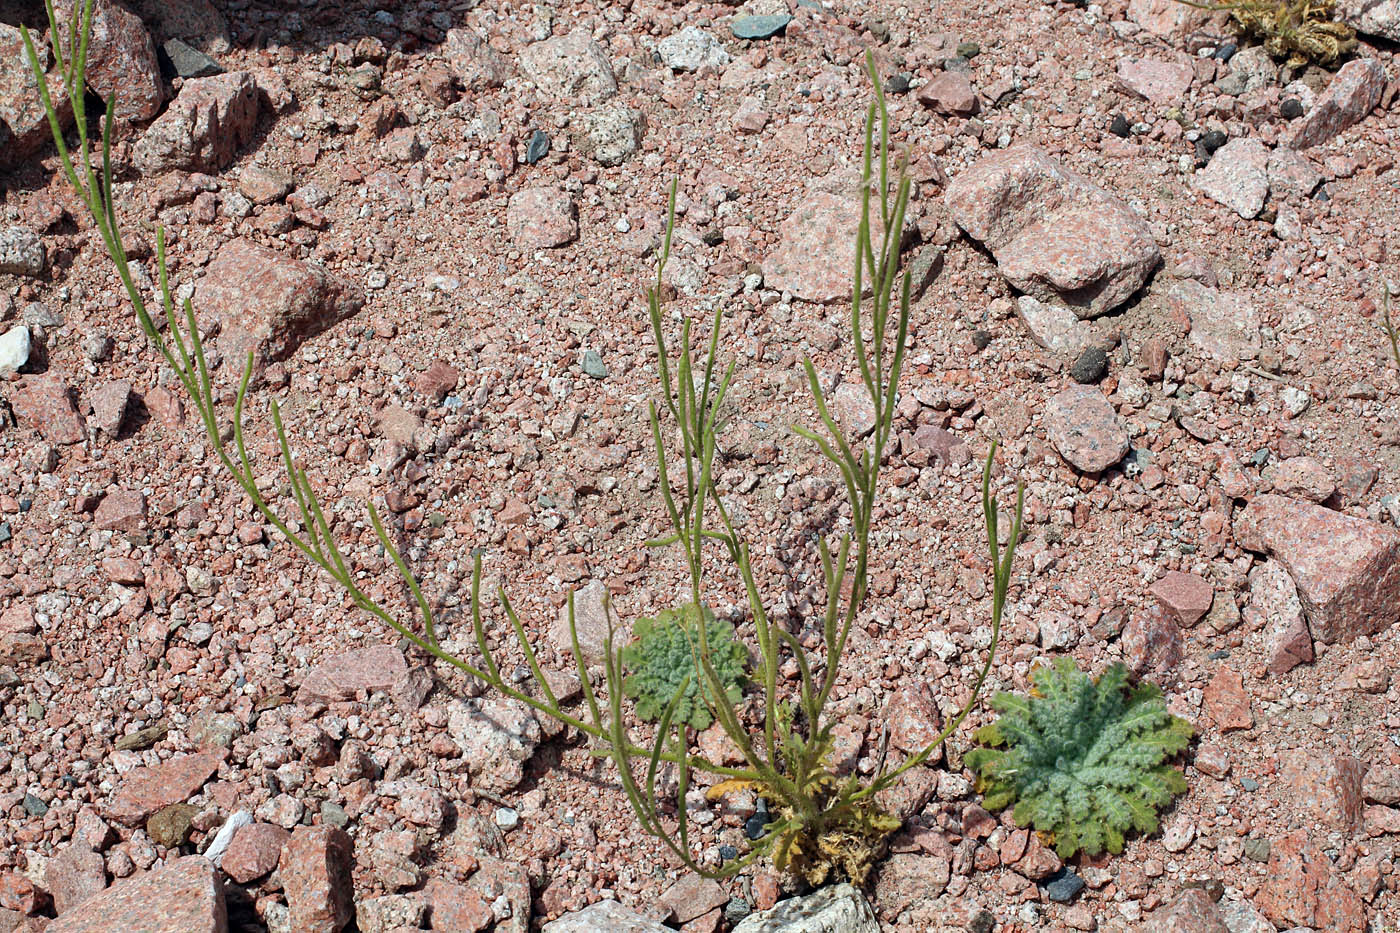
column 824, row 823
column 665, row 660
column 1082, row 760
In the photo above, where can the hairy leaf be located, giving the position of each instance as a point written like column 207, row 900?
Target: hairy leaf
column 1083, row 761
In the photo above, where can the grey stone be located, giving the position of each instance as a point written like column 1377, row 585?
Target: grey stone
column 604, row 917
column 1237, row 176
column 759, row 27
column 187, row 61
column 610, row 135
column 839, row 908
column 692, row 49
column 21, row 252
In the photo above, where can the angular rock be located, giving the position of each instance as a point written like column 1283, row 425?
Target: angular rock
column 1187, row 597
column 45, row 404
column 1054, row 234
column 910, row 882
column 949, row 92
column 146, row 790
column 1191, row 911
column 1226, row 702
column 1160, row 82
column 763, row 26
column 1346, row 569
column 571, row 67
column 814, row 258
column 590, row 623
column 345, row 675
column 1224, row 325
column 392, row 913
column 184, row 896
column 602, row 917
column 1291, row 175
column 1301, row 889
column 1172, row 20
column 204, row 127
column 497, row 736
column 542, row 218
column 394, row 854
column 263, row 185
column 121, row 59
column 197, row 22
column 458, row 908
column 1372, row 17
column 691, row 897
column 120, row 510
column 1301, row 478
column 75, row 875
column 837, row 908
column 692, row 49
column 1053, row 326
column 1237, row 176
column 1151, row 642
column 24, row 127
column 109, row 404
column 1381, row 784
column 473, row 61
column 269, row 303
column 1275, row 607
column 1326, row 789
column 1354, row 91
column 14, row 349
column 610, row 135
column 187, row 61
column 315, row 872
column 21, row 649
column 1085, row 429
column 21, row 252
column 254, row 851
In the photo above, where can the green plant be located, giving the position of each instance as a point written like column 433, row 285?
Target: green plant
column 1388, row 325
column 1301, row 30
column 824, row 822
column 664, row 660
column 1082, row 760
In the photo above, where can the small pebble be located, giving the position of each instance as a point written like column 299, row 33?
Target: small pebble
column 1090, row 366
column 1120, row 126
column 538, row 147
column 1063, row 887
column 506, row 818
column 593, row 365
column 1291, row 108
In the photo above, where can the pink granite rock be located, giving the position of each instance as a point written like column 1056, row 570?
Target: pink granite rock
column 146, row 790
column 1347, row 569
column 73, row 876
column 342, row 676
column 949, row 92
column 204, row 128
column 1301, row 478
column 1237, row 176
column 1054, row 234
column 120, row 510
column 315, row 871
column 1191, row 911
column 121, row 59
column 269, row 302
column 1160, row 82
column 473, row 61
column 911, row 714
column 1275, row 608
column 24, row 127
column 254, row 851
column 1301, row 889
column 1186, row 596
column 46, row 404
column 542, row 218
column 1085, row 429
column 1172, row 20
column 1151, row 642
column 1354, row 91
column 813, row 259
column 185, row 896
